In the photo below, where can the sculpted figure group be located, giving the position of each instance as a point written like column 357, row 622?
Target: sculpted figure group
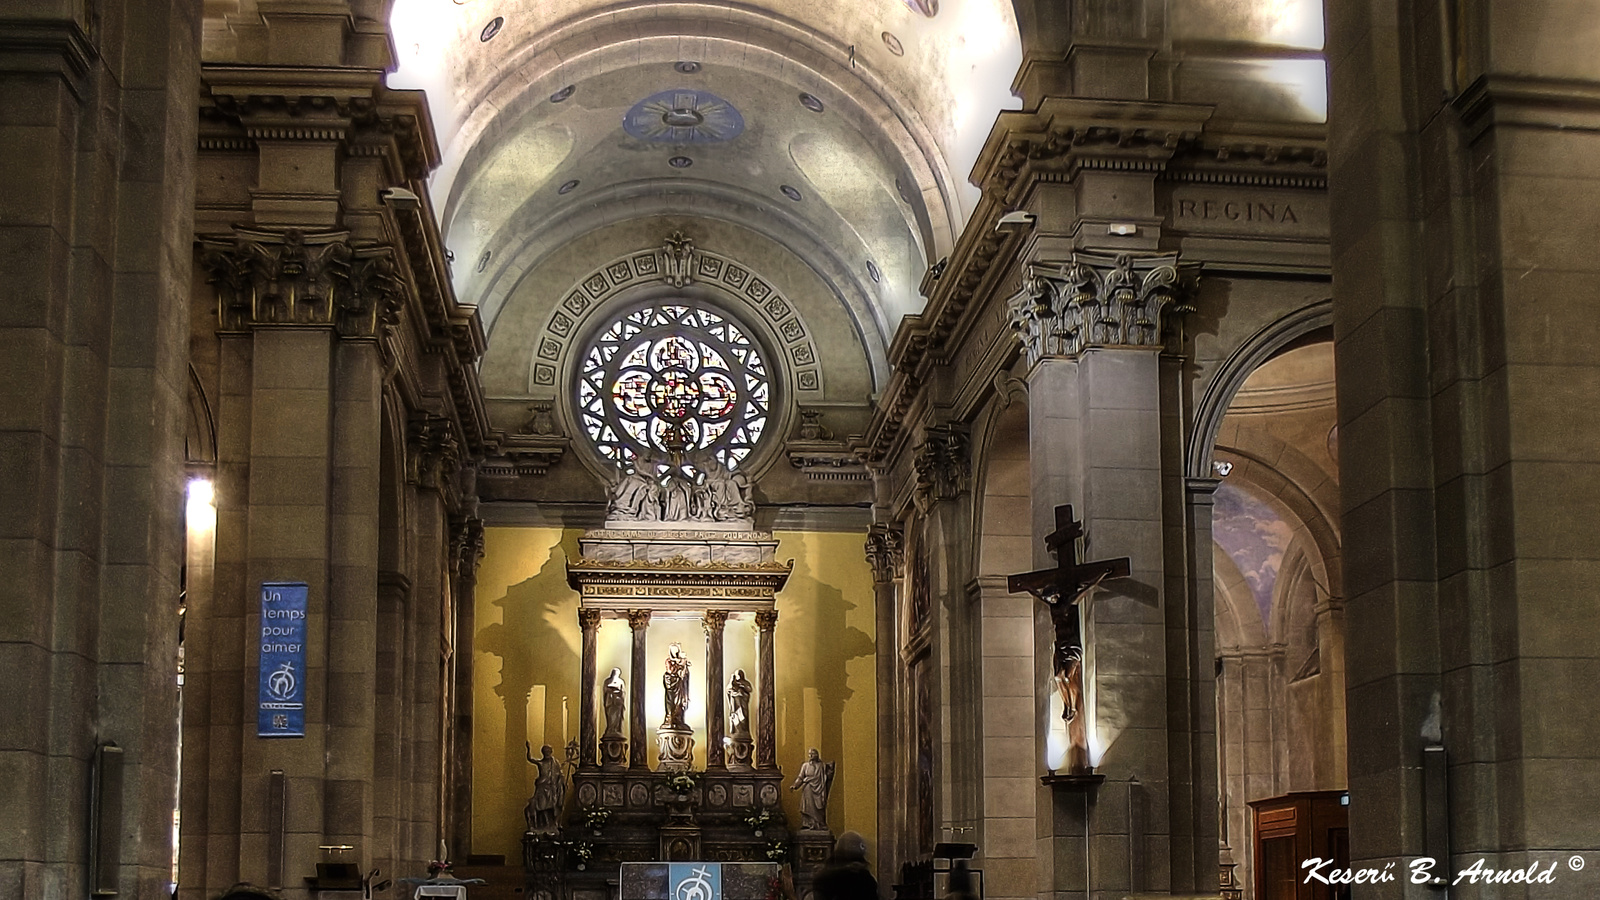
column 714, row 493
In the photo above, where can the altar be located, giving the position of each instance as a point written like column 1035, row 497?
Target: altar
column 695, row 778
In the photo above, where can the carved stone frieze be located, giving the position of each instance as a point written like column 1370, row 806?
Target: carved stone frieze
column 1100, row 300
column 942, row 464
column 294, row 277
column 885, row 551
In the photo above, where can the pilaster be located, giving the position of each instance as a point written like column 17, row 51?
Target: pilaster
column 885, row 552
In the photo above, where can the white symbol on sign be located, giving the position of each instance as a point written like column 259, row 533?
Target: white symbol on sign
column 696, row 887
column 281, row 684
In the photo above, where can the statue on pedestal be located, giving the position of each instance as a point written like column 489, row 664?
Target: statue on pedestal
column 549, row 790
column 613, row 745
column 675, row 739
column 614, row 688
column 675, row 683
column 815, row 782
column 740, row 746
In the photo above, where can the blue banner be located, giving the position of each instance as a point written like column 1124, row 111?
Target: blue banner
column 694, row 881
column 281, row 710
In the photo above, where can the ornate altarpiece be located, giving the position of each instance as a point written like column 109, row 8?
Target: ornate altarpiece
column 622, row 808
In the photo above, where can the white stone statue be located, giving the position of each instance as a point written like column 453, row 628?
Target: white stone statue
column 723, row 495
column 549, row 790
column 614, row 689
column 739, row 705
column 676, row 492
column 675, row 683
column 814, row 782
column 635, row 495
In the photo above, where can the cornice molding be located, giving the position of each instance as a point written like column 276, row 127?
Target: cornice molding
column 59, row 45
column 1497, row 100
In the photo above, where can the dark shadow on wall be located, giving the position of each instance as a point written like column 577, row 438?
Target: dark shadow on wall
column 836, row 645
column 529, row 643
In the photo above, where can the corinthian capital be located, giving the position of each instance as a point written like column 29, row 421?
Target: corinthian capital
column 885, row 551
column 943, row 465
column 1100, row 300
column 293, row 277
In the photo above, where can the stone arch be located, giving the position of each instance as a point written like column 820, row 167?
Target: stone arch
column 200, row 440
column 1282, row 472
column 758, row 300
column 1280, row 685
column 1244, row 360
column 775, row 325
column 731, row 206
column 1005, row 667
column 1004, row 542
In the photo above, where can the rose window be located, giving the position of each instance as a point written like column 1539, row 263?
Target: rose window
column 673, row 378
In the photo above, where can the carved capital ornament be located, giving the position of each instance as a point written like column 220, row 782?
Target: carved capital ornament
column 1100, row 300
column 885, row 551
column 295, row 277
column 942, row 464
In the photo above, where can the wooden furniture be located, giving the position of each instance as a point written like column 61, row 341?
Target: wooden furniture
column 1291, row 829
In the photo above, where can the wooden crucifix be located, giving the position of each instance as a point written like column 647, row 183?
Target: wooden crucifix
column 1061, row 588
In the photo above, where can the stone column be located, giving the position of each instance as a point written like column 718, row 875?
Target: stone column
column 639, row 621
column 766, row 726
column 885, row 551
column 716, row 754
column 467, row 546
column 589, row 621
column 1093, row 328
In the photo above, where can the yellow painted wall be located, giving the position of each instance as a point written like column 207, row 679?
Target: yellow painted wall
column 526, row 659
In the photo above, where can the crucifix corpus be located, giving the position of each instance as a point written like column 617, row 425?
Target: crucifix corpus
column 1061, row 588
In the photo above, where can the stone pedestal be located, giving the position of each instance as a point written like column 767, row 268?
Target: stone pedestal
column 613, row 753
column 675, row 746
column 741, row 753
column 808, row 852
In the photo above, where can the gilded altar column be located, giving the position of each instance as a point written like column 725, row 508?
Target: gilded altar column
column 716, row 753
column 639, row 621
column 589, row 621
column 766, row 733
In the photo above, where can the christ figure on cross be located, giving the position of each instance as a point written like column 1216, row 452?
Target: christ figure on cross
column 1061, row 588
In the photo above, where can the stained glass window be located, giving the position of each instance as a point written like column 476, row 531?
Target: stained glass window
column 669, row 375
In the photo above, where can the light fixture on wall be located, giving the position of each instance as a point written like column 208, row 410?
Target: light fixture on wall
column 1222, row 468
column 201, row 511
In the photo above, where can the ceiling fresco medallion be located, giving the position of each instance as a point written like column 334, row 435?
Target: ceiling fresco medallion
column 894, row 45
column 929, row 8
column 683, row 116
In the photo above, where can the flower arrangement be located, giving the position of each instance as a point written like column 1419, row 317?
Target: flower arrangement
column 758, row 821
column 682, row 782
column 777, row 851
column 581, row 852
column 595, row 817
column 438, row 868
